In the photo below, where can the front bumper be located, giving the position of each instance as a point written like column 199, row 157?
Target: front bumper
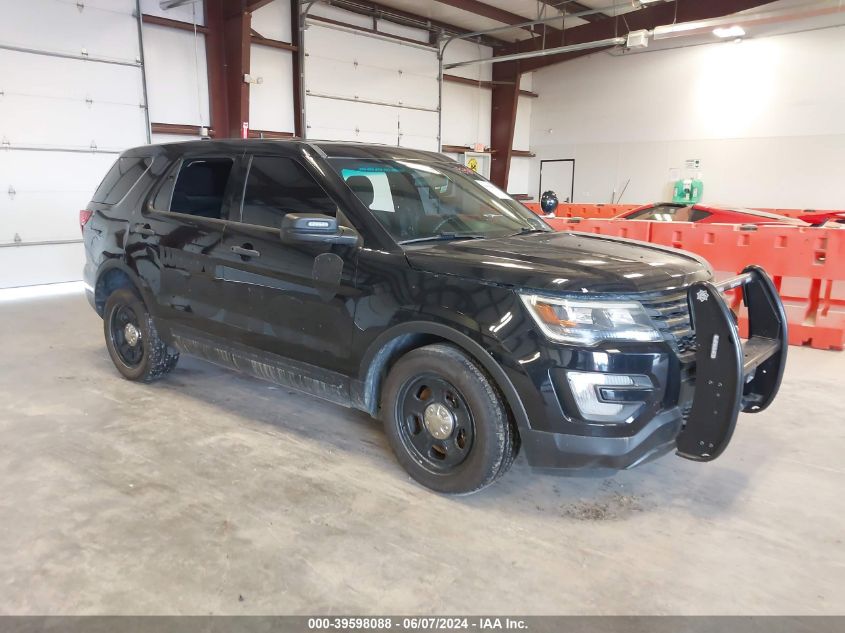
column 578, row 453
column 730, row 376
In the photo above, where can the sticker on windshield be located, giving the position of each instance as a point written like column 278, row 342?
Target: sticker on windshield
column 489, row 186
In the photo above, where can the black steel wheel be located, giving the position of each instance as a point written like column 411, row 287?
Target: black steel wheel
column 133, row 343
column 435, row 422
column 125, row 333
column 446, row 421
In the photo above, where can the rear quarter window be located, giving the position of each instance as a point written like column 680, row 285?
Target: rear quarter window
column 126, row 171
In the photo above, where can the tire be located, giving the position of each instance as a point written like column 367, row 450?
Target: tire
column 457, row 451
column 149, row 358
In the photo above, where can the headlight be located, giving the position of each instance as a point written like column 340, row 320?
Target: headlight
column 589, row 322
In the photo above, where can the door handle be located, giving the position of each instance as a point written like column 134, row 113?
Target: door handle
column 245, row 252
column 143, row 229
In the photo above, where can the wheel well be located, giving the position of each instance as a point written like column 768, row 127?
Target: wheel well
column 385, row 358
column 396, row 348
column 108, row 282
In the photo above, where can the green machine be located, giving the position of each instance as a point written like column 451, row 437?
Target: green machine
column 687, row 191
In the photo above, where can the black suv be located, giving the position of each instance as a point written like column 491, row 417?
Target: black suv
column 403, row 284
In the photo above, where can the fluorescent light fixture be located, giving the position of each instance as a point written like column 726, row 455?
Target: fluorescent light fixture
column 729, row 31
column 637, row 39
column 725, row 25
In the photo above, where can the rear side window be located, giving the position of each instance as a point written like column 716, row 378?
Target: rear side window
column 277, row 186
column 199, row 187
column 126, row 171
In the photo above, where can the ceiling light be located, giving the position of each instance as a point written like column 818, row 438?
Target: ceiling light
column 729, row 31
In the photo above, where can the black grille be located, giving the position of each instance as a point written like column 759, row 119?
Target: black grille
column 671, row 315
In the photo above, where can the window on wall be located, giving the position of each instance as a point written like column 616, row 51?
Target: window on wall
column 199, row 187
column 277, row 186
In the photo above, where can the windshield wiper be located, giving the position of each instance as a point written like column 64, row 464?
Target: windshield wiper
column 527, row 230
column 440, row 237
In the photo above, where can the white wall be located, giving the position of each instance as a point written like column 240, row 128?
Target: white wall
column 271, row 101
column 466, row 114
column 400, row 79
column 368, row 89
column 764, row 116
column 177, row 76
column 466, row 109
column 519, row 176
column 182, row 13
column 273, row 20
column 62, row 121
column 176, row 70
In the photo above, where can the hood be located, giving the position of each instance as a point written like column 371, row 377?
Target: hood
column 563, row 262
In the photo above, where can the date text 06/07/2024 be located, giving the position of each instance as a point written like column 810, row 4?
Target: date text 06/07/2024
column 417, row 623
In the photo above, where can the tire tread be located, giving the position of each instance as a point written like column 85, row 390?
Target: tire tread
column 160, row 358
column 506, row 436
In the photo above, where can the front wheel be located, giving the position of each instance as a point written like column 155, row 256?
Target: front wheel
column 446, row 421
column 132, row 340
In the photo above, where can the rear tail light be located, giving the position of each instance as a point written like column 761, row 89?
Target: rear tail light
column 84, row 216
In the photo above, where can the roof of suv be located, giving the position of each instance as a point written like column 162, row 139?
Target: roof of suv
column 333, row 149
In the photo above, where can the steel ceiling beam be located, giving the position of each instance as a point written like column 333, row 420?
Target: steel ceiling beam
column 406, row 18
column 254, row 5
column 170, row 4
column 495, row 13
column 611, row 41
column 584, row 15
column 570, row 6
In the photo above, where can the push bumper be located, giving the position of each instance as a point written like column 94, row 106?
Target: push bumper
column 731, row 377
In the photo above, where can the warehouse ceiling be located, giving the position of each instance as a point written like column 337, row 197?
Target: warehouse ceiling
column 479, row 15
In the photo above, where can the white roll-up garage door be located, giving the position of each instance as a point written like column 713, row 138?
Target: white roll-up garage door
column 361, row 87
column 71, row 99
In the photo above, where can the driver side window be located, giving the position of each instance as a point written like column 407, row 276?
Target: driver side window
column 277, row 186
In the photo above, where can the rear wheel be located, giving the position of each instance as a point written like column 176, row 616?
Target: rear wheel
column 446, row 421
column 132, row 340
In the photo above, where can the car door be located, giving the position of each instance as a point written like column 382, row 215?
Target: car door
column 187, row 215
column 290, row 300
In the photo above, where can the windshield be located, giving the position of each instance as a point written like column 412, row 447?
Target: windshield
column 420, row 201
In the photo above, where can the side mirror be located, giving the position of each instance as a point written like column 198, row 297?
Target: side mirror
column 315, row 227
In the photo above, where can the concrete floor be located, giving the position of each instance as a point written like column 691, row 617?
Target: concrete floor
column 214, row 493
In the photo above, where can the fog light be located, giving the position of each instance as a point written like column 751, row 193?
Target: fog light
column 590, row 391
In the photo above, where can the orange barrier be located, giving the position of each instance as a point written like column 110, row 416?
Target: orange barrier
column 576, row 210
column 617, row 228
column 806, row 264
